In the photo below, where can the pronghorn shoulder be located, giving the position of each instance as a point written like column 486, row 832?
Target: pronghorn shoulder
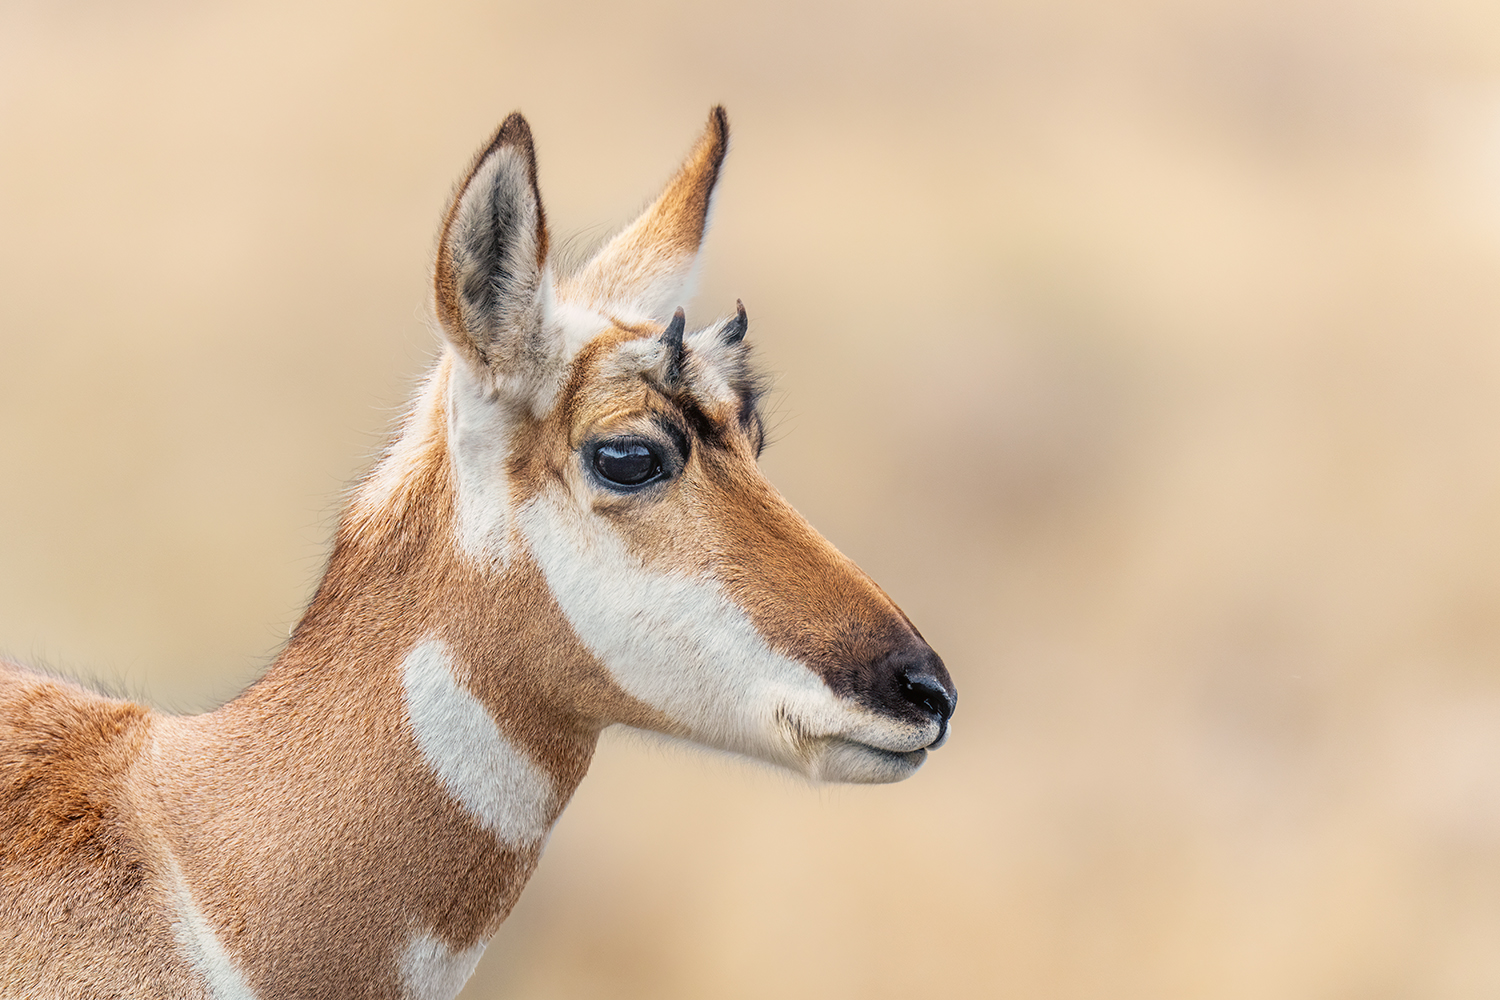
column 77, row 883
column 65, row 757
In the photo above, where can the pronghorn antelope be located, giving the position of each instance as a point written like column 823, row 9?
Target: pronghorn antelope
column 569, row 532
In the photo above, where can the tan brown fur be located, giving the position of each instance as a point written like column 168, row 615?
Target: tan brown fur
column 334, row 689
column 289, row 763
column 667, row 235
column 304, row 818
column 728, row 523
column 78, row 901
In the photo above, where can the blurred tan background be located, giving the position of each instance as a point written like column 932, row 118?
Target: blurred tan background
column 1146, row 353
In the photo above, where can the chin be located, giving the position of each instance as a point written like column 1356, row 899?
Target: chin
column 855, row 763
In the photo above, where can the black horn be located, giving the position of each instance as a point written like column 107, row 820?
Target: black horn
column 672, row 339
column 734, row 330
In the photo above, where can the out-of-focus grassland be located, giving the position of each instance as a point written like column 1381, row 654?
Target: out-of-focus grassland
column 1148, row 354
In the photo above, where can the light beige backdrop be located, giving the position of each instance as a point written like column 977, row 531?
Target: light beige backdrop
column 1146, row 353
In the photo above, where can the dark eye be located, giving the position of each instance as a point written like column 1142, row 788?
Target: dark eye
column 627, row 463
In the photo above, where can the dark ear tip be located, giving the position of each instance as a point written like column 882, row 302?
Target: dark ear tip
column 718, row 128
column 514, row 131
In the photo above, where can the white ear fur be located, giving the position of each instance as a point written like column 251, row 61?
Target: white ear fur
column 647, row 270
column 492, row 285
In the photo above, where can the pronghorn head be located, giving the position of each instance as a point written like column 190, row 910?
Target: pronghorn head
column 597, row 443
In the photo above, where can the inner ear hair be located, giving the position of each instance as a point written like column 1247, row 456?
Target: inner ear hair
column 492, row 255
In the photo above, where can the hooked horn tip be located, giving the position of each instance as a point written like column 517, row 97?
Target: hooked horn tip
column 675, row 329
column 735, row 331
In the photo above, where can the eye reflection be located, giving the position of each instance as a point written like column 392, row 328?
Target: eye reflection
column 627, row 463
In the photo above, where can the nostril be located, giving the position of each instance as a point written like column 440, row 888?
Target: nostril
column 925, row 690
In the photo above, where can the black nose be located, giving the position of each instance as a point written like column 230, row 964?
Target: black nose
column 923, row 689
column 923, row 682
column 906, row 682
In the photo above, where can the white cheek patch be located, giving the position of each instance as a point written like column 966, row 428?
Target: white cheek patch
column 496, row 782
column 200, row 946
column 430, row 970
column 479, row 439
column 681, row 645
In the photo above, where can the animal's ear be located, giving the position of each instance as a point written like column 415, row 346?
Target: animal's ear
column 644, row 272
column 491, row 281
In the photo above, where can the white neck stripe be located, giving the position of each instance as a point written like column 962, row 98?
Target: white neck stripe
column 196, row 938
column 430, row 970
column 502, row 788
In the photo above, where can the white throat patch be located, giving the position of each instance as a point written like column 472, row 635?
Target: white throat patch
column 496, row 782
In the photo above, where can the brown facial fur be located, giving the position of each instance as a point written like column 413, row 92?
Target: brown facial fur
column 721, row 518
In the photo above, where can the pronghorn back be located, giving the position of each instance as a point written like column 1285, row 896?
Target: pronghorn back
column 569, row 532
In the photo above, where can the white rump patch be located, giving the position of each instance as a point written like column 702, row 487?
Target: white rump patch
column 430, row 970
column 503, row 789
column 681, row 645
column 201, row 947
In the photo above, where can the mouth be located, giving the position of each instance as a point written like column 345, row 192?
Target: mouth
column 860, row 763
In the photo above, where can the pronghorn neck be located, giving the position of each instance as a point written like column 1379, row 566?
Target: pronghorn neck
column 412, row 740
